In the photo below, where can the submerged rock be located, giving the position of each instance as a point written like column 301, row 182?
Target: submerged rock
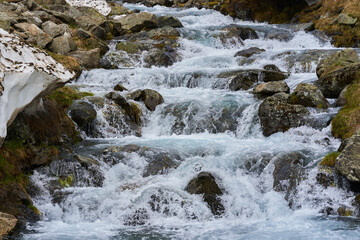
column 206, row 184
column 151, row 98
column 309, row 95
column 249, row 52
column 169, row 21
column 277, row 115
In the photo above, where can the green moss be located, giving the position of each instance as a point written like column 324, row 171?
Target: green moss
column 65, row 96
column 347, row 121
column 67, row 181
column 293, row 99
column 7, row 174
column 34, row 209
column 330, row 159
column 13, row 145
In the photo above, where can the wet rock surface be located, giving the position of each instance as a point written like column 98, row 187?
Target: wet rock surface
column 277, row 115
column 308, row 95
column 206, row 184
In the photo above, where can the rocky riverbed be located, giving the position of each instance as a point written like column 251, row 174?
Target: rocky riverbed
column 175, row 121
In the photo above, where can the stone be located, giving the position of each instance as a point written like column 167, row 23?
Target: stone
column 348, row 162
column 86, row 160
column 243, row 32
column 271, row 67
column 63, row 44
column 205, row 183
column 333, row 83
column 7, row 223
column 269, row 76
column 83, row 114
column 139, row 21
column 121, row 101
column 243, row 81
column 288, row 170
column 120, row 88
column 88, row 59
column 309, row 95
column 164, row 33
column 160, row 57
column 136, row 95
column 336, row 61
column 271, row 88
column 281, row 35
column 34, row 34
column 341, row 101
column 82, row 33
column 249, row 52
column 53, row 29
column 277, row 115
column 169, row 21
column 151, row 98
column 346, row 19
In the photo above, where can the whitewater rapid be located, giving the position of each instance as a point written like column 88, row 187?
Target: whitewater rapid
column 240, row 156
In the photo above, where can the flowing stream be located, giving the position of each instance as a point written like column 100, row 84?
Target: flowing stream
column 205, row 129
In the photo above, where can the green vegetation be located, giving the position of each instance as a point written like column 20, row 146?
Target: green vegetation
column 330, row 159
column 34, row 209
column 65, row 96
column 347, row 121
column 70, row 63
column 67, row 181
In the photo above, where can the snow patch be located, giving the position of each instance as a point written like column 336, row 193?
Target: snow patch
column 100, row 5
column 25, row 74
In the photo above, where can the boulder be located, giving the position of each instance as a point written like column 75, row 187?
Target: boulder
column 348, row 162
column 281, row 35
column 249, row 52
column 63, row 44
column 271, row 88
column 333, row 83
column 121, row 101
column 309, row 95
column 205, row 183
column 53, row 29
column 7, row 223
column 336, row 61
column 169, row 21
column 271, row 67
column 164, row 33
column 269, row 75
column 151, row 98
column 139, row 21
column 277, row 115
column 346, row 19
column 160, row 57
column 243, row 81
column 34, row 34
column 88, row 59
column 83, row 114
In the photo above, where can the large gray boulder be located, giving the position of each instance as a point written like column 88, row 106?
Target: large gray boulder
column 63, row 44
column 88, row 59
column 277, row 115
column 169, row 21
column 309, row 95
column 53, row 29
column 139, row 21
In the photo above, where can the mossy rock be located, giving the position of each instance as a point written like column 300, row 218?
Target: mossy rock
column 65, row 96
column 347, row 121
column 128, row 47
column 330, row 159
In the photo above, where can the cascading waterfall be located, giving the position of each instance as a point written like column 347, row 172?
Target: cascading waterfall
column 200, row 127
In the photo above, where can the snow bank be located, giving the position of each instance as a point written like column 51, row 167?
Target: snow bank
column 26, row 73
column 100, row 5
